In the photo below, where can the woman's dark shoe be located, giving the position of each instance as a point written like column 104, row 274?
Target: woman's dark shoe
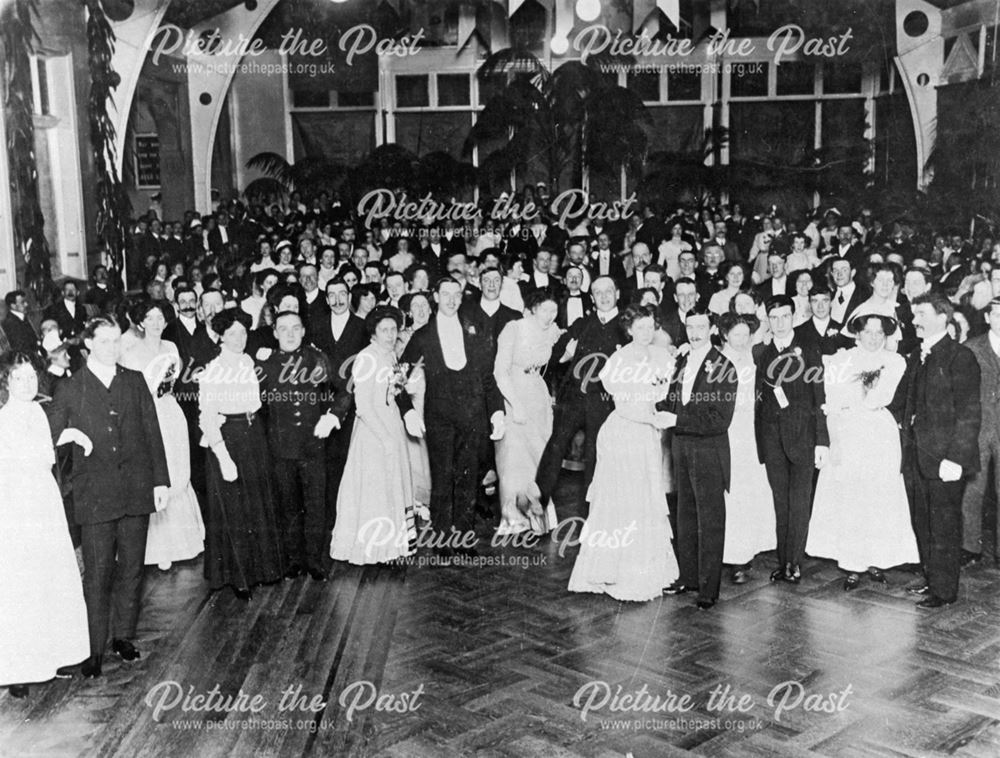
column 18, row 690
column 243, row 593
column 877, row 576
column 124, row 650
column 778, row 575
column 91, row 668
column 852, row 582
column 678, row 589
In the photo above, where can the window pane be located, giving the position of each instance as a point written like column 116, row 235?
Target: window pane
column 748, row 80
column 411, row 91
column 841, row 78
column 646, row 86
column 453, row 89
column 305, row 98
column 795, row 78
column 683, row 85
column 355, row 99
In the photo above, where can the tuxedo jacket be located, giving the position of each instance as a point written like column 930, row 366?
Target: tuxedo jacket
column 708, row 414
column 69, row 326
column 765, row 290
column 562, row 314
column 827, row 343
column 128, row 461
column 20, row 334
column 989, row 387
column 188, row 344
column 801, row 425
column 675, row 328
column 616, row 268
column 489, row 326
column 859, row 296
column 468, row 396
column 339, row 355
column 595, row 344
column 941, row 410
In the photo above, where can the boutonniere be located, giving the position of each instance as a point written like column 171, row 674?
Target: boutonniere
column 797, row 351
column 709, row 367
column 832, row 332
column 470, row 329
column 397, row 381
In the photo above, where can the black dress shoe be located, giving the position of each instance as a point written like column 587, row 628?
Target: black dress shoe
column 91, row 668
column 933, row 601
column 67, row 672
column 705, row 603
column 877, row 576
column 318, row 575
column 919, row 589
column 124, row 650
column 18, row 690
column 778, row 575
column 678, row 589
column 294, row 571
column 852, row 582
column 242, row 593
column 793, row 574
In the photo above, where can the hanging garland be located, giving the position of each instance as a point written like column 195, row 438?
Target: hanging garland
column 113, row 206
column 19, row 37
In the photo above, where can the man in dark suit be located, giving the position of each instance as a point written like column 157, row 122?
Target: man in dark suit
column 710, row 277
column 220, row 235
column 99, row 293
column 20, row 333
column 119, row 477
column 604, row 261
column 575, row 303
column 777, row 282
column 340, row 336
column 296, row 386
column 68, row 313
column 686, row 297
column 702, row 398
column 941, row 415
column 975, row 518
column 656, row 279
column 461, row 395
column 540, row 277
column 652, row 231
column 488, row 312
column 848, row 295
column 791, row 431
column 847, row 247
column 581, row 402
column 821, row 332
column 641, row 259
column 316, row 308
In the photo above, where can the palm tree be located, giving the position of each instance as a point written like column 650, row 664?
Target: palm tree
column 308, row 175
column 574, row 117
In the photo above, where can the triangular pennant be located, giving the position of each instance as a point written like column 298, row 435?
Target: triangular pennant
column 640, row 12
column 512, row 6
column 672, row 10
column 466, row 23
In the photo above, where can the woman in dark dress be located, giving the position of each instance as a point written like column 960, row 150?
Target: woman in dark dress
column 242, row 541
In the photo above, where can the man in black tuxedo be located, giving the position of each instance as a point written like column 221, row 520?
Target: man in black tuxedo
column 652, row 231
column 461, row 394
column 220, row 235
column 941, row 416
column 316, row 307
column 575, row 303
column 540, row 276
column 340, row 336
column 488, row 312
column 68, row 313
column 710, row 277
column 604, row 262
column 581, row 402
column 790, row 425
column 848, row 295
column 702, row 398
column 641, row 259
column 656, row 279
column 120, row 476
column 777, row 282
column 20, row 333
column 99, row 294
column 979, row 536
column 686, row 297
column 821, row 332
column 847, row 247
column 576, row 256
column 297, row 389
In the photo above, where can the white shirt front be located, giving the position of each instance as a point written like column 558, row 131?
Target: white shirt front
column 452, row 341
column 695, row 359
column 778, row 285
column 490, row 307
column 994, row 342
column 606, row 316
column 840, row 301
column 338, row 322
column 189, row 323
column 540, row 278
column 574, row 308
column 106, row 374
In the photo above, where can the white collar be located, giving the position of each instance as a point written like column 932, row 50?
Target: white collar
column 606, row 317
column 105, row 374
column 928, row 344
column 489, row 306
column 340, row 318
column 825, row 322
column 994, row 341
column 847, row 287
column 696, row 356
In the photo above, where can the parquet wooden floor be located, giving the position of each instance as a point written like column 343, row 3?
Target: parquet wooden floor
column 499, row 653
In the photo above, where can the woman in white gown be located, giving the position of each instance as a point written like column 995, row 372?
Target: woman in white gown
column 861, row 517
column 375, row 502
column 625, row 543
column 44, row 615
column 177, row 533
column 523, row 351
column 749, row 504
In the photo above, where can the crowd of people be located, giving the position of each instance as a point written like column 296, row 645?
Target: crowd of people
column 279, row 388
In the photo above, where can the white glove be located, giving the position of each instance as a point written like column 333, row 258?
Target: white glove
column 160, row 497
column 949, row 471
column 78, row 437
column 822, row 451
column 264, row 353
column 326, row 424
column 499, row 426
column 414, row 424
column 570, row 351
column 664, row 419
column 226, row 464
column 684, row 349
